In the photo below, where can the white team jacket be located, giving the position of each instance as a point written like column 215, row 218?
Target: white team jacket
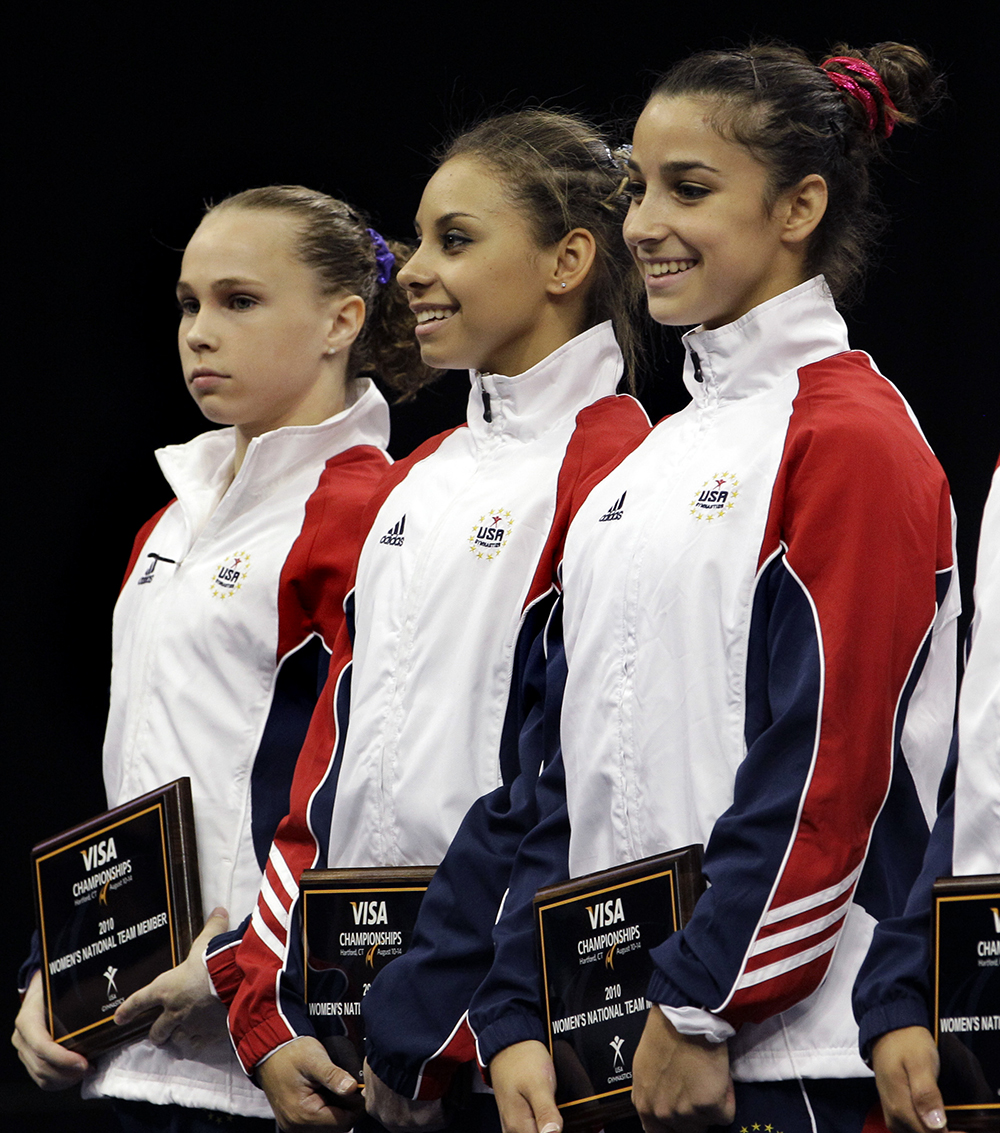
column 441, row 586
column 759, row 632
column 198, row 646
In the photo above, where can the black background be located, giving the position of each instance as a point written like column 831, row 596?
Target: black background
column 123, row 119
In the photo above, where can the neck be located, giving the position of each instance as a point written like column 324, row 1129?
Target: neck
column 322, row 404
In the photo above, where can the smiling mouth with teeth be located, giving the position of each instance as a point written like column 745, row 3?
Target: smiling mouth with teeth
column 669, row 267
column 434, row 314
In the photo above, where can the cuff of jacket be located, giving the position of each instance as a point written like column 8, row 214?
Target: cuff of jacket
column 504, row 1032
column 31, row 965
column 697, row 1021
column 430, row 1078
column 907, row 1011
column 224, row 972
column 260, row 1042
column 666, row 993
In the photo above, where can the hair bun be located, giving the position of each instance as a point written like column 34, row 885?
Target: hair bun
column 909, row 80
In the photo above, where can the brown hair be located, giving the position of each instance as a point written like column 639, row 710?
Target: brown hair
column 333, row 240
column 795, row 120
column 559, row 171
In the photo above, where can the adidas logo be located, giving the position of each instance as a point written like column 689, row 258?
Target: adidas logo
column 615, row 511
column 394, row 536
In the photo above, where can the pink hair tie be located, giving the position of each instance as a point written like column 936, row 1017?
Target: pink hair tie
column 861, row 93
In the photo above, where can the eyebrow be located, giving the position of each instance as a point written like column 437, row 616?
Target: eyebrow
column 678, row 166
column 448, row 217
column 230, row 281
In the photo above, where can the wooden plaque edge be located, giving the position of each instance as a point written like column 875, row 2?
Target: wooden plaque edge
column 183, row 896
column 367, row 877
column 688, row 884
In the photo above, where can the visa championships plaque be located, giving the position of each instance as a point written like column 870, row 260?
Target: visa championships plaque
column 966, row 973
column 118, row 901
column 354, row 922
column 594, row 936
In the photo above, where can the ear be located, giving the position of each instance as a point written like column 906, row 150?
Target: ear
column 572, row 261
column 802, row 208
column 347, row 317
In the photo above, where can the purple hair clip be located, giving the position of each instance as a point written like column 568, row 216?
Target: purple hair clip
column 383, row 257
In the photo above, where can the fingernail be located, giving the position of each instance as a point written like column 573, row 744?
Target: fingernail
column 344, row 1084
column 552, row 1127
column 934, row 1119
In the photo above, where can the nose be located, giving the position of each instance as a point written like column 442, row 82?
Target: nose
column 415, row 274
column 198, row 335
column 643, row 223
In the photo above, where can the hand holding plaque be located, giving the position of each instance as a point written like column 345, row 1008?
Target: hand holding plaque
column 118, row 902
column 594, row 938
column 190, row 1014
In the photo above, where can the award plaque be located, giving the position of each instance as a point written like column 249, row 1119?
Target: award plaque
column 594, row 936
column 354, row 921
column 966, row 974
column 118, row 901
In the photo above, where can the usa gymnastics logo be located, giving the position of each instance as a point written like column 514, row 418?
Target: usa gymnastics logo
column 491, row 534
column 231, row 575
column 716, row 497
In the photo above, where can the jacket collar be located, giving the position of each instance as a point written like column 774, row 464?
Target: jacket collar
column 581, row 371
column 763, row 347
column 199, row 471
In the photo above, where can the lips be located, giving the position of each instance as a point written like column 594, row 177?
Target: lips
column 202, row 378
column 669, row 267
column 430, row 318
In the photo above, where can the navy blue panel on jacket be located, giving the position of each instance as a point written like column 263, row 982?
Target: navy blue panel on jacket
column 297, row 688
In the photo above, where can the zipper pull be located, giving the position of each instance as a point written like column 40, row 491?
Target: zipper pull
column 697, row 367
column 487, row 412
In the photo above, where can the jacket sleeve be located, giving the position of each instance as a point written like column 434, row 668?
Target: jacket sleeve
column 416, row 1011
column 853, row 607
column 258, row 971
column 893, row 985
column 507, row 1006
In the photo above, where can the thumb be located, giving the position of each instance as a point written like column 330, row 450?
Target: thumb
column 544, row 1109
column 217, row 923
column 138, row 1003
column 926, row 1097
column 330, row 1075
column 930, row 1109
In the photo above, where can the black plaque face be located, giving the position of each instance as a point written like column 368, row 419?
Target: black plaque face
column 111, row 915
column 967, row 999
column 594, row 939
column 354, row 923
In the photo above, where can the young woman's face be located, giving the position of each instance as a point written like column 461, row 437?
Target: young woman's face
column 254, row 326
column 701, row 231
column 477, row 281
